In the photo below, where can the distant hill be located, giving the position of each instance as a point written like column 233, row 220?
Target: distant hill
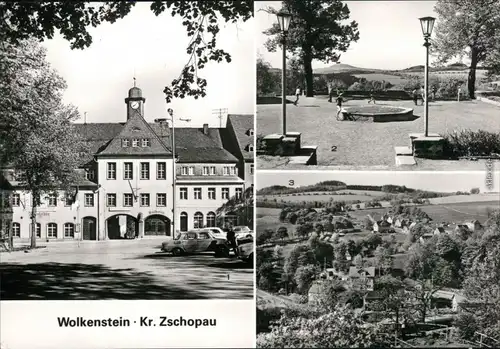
column 332, row 185
column 342, row 68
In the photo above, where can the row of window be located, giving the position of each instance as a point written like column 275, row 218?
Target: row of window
column 128, row 172
column 135, row 142
column 52, row 200
column 68, row 230
column 128, row 198
column 144, row 174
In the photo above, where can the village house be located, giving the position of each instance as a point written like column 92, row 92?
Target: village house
column 381, row 226
column 439, row 231
column 402, row 222
column 126, row 184
column 473, row 225
column 361, row 278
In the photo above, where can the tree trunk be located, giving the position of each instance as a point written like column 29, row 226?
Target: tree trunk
column 33, row 221
column 471, row 80
column 309, row 74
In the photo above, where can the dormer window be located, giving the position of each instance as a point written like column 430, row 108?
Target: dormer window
column 146, row 143
column 125, row 143
column 250, row 132
column 135, row 143
column 250, row 147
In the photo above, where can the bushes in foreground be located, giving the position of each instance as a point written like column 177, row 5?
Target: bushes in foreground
column 471, row 143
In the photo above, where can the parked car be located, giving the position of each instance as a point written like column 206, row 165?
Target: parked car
column 243, row 231
column 217, row 232
column 195, row 242
column 245, row 249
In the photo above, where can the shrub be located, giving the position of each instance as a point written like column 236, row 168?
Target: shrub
column 471, row 143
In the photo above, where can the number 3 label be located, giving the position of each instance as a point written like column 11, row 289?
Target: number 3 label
column 291, row 183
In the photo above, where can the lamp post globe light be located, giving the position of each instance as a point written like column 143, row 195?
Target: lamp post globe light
column 284, row 19
column 427, row 24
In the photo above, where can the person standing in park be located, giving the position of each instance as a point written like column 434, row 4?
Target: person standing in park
column 415, row 96
column 372, row 97
column 339, row 104
column 434, row 90
column 459, row 92
column 297, row 95
column 422, row 95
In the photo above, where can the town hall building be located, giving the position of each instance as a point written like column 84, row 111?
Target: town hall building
column 127, row 181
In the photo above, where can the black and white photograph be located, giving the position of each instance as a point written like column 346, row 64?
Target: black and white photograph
column 378, row 85
column 126, row 150
column 378, row 259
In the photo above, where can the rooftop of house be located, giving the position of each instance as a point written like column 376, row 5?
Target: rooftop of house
column 192, row 145
column 355, row 272
column 242, row 125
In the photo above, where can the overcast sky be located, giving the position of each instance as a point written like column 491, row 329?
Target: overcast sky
column 390, row 34
column 100, row 76
column 433, row 181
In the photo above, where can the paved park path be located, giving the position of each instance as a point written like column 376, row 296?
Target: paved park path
column 368, row 145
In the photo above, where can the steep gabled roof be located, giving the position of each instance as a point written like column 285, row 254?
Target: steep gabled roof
column 241, row 125
column 191, row 144
column 136, row 127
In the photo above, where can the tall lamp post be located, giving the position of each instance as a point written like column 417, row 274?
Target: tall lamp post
column 174, row 175
column 284, row 19
column 427, row 24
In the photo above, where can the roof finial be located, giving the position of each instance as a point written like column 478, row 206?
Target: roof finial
column 134, row 76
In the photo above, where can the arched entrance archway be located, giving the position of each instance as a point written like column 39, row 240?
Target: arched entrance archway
column 157, row 225
column 122, row 226
column 184, row 221
column 89, row 228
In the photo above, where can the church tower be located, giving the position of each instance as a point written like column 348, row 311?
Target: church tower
column 135, row 102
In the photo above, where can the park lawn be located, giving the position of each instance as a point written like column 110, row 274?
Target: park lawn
column 369, row 145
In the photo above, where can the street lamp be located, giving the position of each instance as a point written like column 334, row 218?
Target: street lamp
column 284, row 19
column 427, row 24
column 174, row 176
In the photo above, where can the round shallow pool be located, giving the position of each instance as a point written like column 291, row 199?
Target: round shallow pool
column 379, row 113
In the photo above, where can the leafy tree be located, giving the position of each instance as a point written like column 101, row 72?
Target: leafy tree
column 329, row 295
column 383, row 258
column 393, row 298
column 474, row 191
column 202, row 20
column 467, row 28
column 304, row 277
column 282, row 233
column 482, row 282
column 267, row 81
column 304, row 230
column 36, row 136
column 316, row 33
column 323, row 251
column 300, row 255
column 264, row 236
column 341, row 328
column 241, row 206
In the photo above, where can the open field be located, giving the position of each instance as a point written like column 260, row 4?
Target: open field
column 324, row 197
column 368, row 145
column 393, row 79
column 453, row 212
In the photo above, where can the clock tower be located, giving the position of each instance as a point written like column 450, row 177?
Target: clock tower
column 135, row 102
